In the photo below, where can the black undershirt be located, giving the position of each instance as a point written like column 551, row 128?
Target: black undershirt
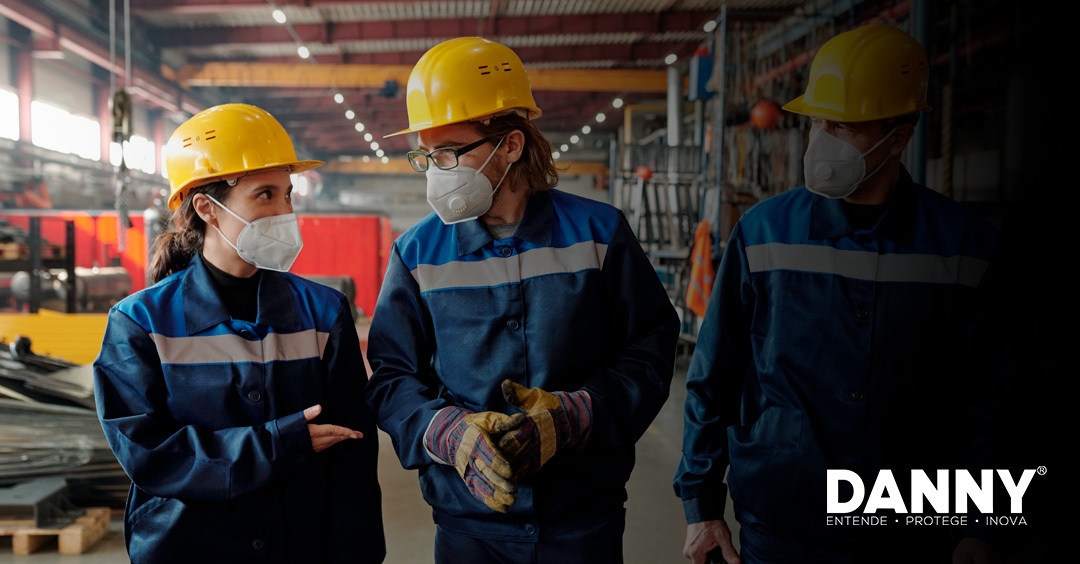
column 864, row 216
column 240, row 295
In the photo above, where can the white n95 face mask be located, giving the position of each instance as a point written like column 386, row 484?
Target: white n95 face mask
column 461, row 193
column 833, row 167
column 270, row 243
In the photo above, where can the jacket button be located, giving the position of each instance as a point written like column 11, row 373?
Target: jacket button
column 254, row 396
column 530, row 529
column 257, row 544
column 857, row 395
column 512, row 325
column 862, row 314
column 505, row 251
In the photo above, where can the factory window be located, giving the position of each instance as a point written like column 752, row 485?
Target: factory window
column 300, row 184
column 138, row 154
column 9, row 115
column 60, row 130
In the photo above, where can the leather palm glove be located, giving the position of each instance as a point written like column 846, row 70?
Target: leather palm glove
column 555, row 421
column 466, row 440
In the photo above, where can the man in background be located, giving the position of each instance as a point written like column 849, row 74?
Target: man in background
column 846, row 330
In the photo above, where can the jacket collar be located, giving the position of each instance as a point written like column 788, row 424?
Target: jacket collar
column 536, row 226
column 203, row 307
column 828, row 220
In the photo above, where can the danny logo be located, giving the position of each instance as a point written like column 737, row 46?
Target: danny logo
column 946, row 493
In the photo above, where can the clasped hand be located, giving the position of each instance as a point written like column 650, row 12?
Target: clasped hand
column 554, row 421
column 492, row 451
column 466, row 440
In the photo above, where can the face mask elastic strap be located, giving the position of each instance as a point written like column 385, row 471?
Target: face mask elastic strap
column 871, row 150
column 880, row 141
column 232, row 213
column 222, row 206
column 499, row 185
column 235, row 248
column 487, row 160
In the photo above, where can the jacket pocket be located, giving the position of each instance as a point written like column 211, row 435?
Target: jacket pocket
column 763, row 475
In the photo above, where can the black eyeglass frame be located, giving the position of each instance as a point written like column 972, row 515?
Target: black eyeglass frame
column 414, row 156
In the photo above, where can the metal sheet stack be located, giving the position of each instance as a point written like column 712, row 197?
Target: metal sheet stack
column 49, row 428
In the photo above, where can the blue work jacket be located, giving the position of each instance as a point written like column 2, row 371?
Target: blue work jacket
column 569, row 302
column 824, row 346
column 204, row 413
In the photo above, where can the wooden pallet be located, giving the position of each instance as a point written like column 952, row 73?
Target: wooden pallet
column 74, row 538
column 21, row 251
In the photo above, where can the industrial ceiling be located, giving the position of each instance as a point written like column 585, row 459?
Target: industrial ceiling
column 189, row 54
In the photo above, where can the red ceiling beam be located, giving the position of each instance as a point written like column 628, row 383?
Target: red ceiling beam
column 542, row 57
column 552, row 57
column 195, row 6
column 424, row 29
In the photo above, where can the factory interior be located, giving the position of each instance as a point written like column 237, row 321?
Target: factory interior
column 667, row 109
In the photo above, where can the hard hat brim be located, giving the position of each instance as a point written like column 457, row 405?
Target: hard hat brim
column 294, row 168
column 799, row 106
column 407, row 130
column 530, row 113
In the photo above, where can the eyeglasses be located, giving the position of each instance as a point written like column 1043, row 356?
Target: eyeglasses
column 445, row 158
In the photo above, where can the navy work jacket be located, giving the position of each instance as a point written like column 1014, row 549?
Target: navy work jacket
column 824, row 347
column 569, row 302
column 204, row 413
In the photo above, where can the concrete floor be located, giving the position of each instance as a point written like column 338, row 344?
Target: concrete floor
column 655, row 528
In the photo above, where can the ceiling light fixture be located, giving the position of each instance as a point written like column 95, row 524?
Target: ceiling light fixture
column 305, row 53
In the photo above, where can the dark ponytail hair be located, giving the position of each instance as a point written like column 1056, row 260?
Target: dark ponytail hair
column 173, row 248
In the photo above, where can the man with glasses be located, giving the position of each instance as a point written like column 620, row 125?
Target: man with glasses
column 522, row 342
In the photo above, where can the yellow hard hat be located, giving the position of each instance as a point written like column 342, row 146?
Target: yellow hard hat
column 465, row 79
column 227, row 141
column 869, row 73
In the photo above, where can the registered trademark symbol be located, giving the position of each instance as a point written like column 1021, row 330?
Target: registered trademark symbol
column 1041, row 470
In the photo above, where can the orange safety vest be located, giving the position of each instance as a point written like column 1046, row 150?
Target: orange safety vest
column 701, row 271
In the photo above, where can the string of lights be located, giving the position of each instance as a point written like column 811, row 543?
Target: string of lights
column 302, row 50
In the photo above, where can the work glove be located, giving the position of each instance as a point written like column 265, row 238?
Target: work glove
column 554, row 421
column 465, row 440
